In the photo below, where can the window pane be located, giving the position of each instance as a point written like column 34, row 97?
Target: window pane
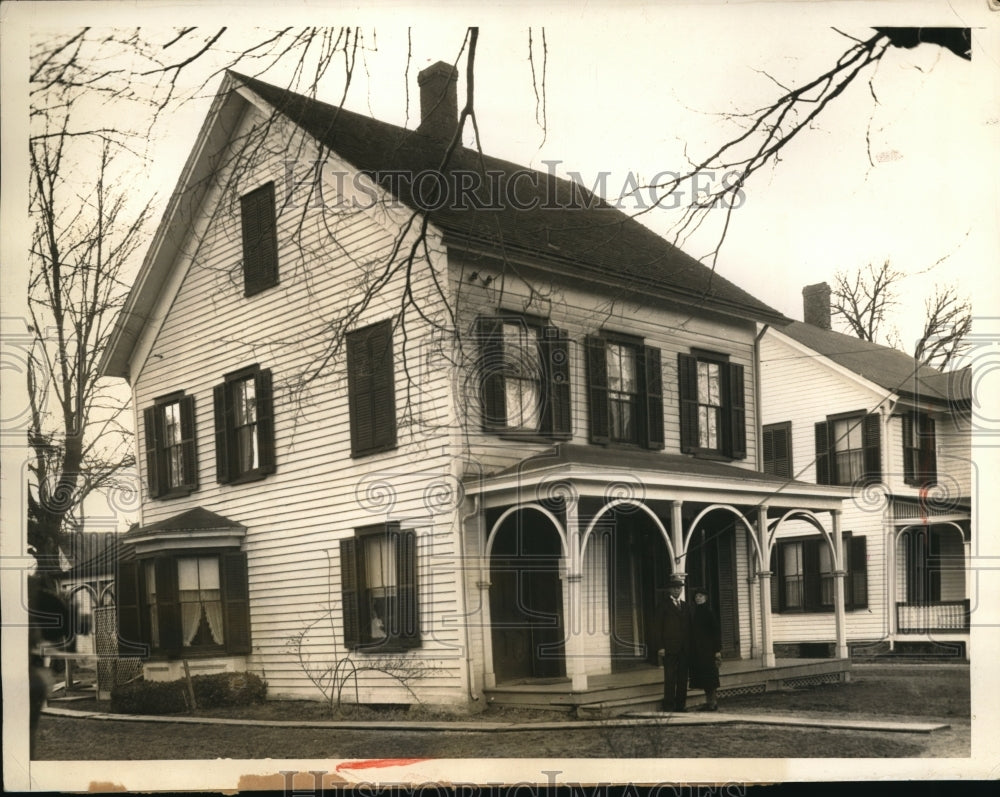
column 380, row 562
column 187, row 574
column 172, row 424
column 621, row 368
column 246, row 403
column 708, row 383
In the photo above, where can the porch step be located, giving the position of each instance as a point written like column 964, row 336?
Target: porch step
column 607, row 695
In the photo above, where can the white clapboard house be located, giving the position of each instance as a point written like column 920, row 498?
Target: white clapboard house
column 841, row 411
column 433, row 424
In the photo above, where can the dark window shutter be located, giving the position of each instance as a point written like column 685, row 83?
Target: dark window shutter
column 168, row 605
column 928, row 452
column 737, row 441
column 131, row 639
column 222, row 435
column 406, row 574
column 811, row 586
column 264, row 391
column 909, row 475
column 777, row 449
column 189, row 443
column 493, row 405
column 557, row 420
column 858, row 568
column 349, row 593
column 597, row 390
column 687, row 391
column 871, row 436
column 371, row 389
column 236, row 600
column 260, row 240
column 149, row 416
column 653, row 373
column 824, row 470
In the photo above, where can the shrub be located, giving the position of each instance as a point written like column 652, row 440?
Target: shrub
column 149, row 697
column 171, row 697
column 228, row 689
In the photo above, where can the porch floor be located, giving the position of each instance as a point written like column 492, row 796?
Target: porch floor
column 642, row 687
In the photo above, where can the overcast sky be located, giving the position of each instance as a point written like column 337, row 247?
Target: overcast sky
column 910, row 177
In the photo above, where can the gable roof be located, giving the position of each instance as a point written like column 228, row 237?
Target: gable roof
column 565, row 226
column 886, row 367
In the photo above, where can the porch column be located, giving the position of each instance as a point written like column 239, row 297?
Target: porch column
column 838, row 586
column 576, row 654
column 483, row 583
column 766, row 631
column 677, row 534
column 892, row 586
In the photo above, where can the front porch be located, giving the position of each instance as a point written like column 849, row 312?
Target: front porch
column 642, row 688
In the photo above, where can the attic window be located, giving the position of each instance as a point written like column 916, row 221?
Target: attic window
column 260, row 240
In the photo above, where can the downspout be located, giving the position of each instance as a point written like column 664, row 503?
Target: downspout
column 469, row 664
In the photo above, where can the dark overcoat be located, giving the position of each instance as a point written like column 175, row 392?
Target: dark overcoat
column 706, row 641
column 673, row 627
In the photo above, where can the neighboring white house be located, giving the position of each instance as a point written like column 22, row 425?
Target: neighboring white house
column 465, row 436
column 839, row 410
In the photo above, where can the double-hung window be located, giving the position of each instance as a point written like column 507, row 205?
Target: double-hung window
column 378, row 569
column 848, row 449
column 625, row 391
column 171, row 447
column 712, row 408
column 523, row 377
column 803, row 578
column 185, row 605
column 919, row 450
column 244, row 426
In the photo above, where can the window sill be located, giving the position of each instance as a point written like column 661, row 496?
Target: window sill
column 528, row 437
column 375, row 648
column 250, row 476
column 712, row 455
column 177, row 493
column 370, row 451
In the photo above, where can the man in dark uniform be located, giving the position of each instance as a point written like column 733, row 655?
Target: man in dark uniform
column 673, row 627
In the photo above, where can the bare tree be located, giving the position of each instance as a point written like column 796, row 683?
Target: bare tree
column 865, row 299
column 83, row 237
column 949, row 320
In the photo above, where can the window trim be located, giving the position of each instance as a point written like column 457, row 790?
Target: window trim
column 225, row 427
column 134, row 622
column 649, row 374
column 871, row 448
column 853, row 546
column 921, row 428
column 732, row 387
column 259, row 228
column 157, row 466
column 403, row 632
column 554, row 408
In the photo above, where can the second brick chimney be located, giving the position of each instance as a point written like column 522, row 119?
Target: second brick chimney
column 438, row 100
column 816, row 305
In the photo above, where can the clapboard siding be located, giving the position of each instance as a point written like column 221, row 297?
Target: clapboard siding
column 580, row 313
column 296, row 517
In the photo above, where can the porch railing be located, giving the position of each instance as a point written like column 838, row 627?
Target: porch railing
column 932, row 617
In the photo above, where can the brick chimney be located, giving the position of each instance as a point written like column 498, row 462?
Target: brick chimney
column 438, row 100
column 816, row 305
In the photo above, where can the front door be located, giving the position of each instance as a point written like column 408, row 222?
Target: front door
column 526, row 601
column 711, row 564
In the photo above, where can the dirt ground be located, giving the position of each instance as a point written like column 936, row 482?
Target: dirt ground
column 919, row 692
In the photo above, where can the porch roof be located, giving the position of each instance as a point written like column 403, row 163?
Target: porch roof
column 654, row 475
column 195, row 528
